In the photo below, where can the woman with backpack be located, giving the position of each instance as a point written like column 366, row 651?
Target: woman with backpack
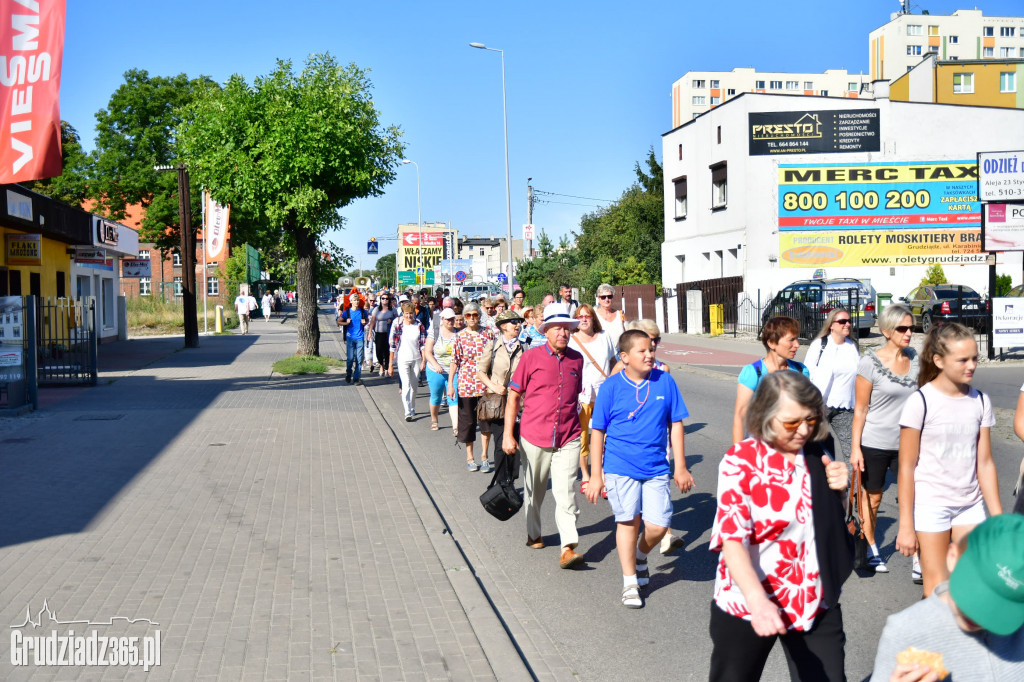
column 832, row 360
column 947, row 475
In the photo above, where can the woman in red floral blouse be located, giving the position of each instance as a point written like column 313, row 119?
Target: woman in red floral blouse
column 784, row 548
column 469, row 345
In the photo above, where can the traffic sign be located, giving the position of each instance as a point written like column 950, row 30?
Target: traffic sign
column 460, row 276
column 528, row 232
column 503, row 278
column 371, row 246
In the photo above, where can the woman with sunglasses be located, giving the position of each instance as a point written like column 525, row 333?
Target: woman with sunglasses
column 780, row 531
column 612, row 321
column 598, row 357
column 885, row 379
column 381, row 319
column 470, row 345
column 832, row 359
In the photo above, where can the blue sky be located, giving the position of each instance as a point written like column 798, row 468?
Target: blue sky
column 588, row 83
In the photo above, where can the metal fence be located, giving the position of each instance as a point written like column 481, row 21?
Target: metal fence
column 812, row 314
column 66, row 341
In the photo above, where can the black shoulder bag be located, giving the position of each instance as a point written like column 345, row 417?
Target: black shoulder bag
column 501, row 499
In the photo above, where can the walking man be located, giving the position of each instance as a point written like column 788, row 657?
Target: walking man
column 354, row 321
column 547, row 383
column 245, row 303
column 565, row 295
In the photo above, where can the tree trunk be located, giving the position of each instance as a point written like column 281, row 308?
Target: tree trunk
column 305, row 284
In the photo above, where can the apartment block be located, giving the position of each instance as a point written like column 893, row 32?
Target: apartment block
column 973, row 82
column 900, row 45
column 700, row 91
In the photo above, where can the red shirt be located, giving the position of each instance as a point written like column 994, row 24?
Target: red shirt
column 550, row 385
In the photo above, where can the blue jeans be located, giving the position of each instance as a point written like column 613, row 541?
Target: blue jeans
column 353, row 355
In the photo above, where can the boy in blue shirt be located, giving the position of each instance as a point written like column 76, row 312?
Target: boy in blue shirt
column 627, row 455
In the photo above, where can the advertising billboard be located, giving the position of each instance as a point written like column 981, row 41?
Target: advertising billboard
column 1001, row 176
column 905, row 213
column 1004, row 227
column 833, row 131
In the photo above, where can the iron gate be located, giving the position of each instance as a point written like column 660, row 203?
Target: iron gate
column 66, row 337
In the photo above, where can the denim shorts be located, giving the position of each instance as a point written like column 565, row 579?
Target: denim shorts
column 650, row 498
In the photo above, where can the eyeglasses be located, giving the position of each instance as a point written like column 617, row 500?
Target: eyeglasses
column 903, row 329
column 584, row 317
column 471, row 316
column 795, row 424
column 846, row 321
column 605, row 297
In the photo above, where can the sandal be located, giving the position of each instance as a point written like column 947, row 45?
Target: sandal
column 604, row 493
column 631, row 597
column 433, row 426
column 583, row 487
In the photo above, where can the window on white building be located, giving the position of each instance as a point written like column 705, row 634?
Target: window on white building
column 699, row 100
column 808, row 85
column 176, row 259
column 954, row 59
column 933, row 30
column 716, row 84
column 915, row 30
column 852, row 87
column 145, row 286
column 792, row 85
column 775, row 85
column 213, row 286
column 143, row 253
column 699, row 83
column 963, row 83
column 1022, row 53
column 730, row 92
column 719, row 185
column 759, row 85
column 914, row 50
column 1008, row 81
column 1007, row 52
column 715, row 100
column 824, row 93
column 988, row 52
column 987, row 31
column 954, row 40
column 177, row 286
column 1006, row 31
column 680, row 184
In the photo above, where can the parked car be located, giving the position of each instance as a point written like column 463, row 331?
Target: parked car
column 938, row 303
column 809, row 302
column 1016, row 292
column 471, row 292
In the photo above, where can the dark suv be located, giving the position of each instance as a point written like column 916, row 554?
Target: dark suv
column 809, row 302
column 938, row 303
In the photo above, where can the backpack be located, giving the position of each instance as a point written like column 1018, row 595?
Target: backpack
column 924, row 403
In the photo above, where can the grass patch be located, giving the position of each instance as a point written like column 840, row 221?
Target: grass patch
column 150, row 315
column 306, row 364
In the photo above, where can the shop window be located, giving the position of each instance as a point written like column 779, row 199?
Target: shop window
column 719, row 186
column 680, row 186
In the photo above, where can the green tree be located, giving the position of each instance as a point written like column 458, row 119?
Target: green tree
column 293, row 149
column 385, row 268
column 136, row 132
column 72, row 185
column 934, row 275
column 1003, row 284
column 235, row 271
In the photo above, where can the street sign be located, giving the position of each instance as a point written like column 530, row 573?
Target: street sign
column 503, row 278
column 371, row 247
column 528, row 232
column 460, row 276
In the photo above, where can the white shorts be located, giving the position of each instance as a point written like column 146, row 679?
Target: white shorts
column 930, row 518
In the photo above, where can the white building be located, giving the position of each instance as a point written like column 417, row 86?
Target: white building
column 489, row 254
column 700, row 91
column 773, row 187
column 900, row 44
column 96, row 272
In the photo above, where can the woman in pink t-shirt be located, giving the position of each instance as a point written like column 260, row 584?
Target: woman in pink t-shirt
column 947, row 476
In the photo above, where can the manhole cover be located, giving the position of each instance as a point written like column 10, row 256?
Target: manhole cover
column 99, row 417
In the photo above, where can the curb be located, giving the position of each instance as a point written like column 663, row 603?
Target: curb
column 506, row 660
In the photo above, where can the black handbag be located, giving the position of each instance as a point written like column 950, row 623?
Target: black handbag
column 501, row 499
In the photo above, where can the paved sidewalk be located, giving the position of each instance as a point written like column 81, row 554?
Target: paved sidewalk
column 270, row 528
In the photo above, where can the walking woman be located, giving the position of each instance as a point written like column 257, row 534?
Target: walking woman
column 469, row 346
column 947, row 475
column 784, row 550
column 832, row 360
column 611, row 319
column 780, row 338
column 438, row 352
column 885, row 379
column 408, row 336
column 494, row 371
column 598, row 357
column 380, row 322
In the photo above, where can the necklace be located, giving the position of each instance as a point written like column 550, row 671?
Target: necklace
column 640, row 403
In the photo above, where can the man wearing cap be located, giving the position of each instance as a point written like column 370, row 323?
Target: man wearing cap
column 547, row 383
column 975, row 620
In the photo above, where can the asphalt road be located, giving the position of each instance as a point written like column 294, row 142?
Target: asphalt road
column 579, row 611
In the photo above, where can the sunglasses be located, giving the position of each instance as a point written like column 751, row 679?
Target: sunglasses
column 795, row 424
column 902, row 329
column 471, row 316
column 846, row 321
column 656, row 340
column 604, row 297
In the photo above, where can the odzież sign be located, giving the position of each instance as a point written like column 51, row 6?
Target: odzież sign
column 1001, row 176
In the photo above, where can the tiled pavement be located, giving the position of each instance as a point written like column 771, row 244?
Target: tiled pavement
column 271, row 527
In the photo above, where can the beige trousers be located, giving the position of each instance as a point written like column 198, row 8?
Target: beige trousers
column 559, row 465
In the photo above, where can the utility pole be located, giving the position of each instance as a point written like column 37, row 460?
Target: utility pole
column 188, row 255
column 529, row 216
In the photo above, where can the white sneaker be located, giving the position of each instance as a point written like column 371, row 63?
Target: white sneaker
column 915, row 572
column 875, row 562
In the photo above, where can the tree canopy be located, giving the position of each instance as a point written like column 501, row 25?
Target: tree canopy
column 72, row 185
column 291, row 150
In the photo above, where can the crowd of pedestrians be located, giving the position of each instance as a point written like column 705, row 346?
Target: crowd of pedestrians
column 571, row 391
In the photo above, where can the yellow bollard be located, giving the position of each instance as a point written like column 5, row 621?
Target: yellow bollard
column 218, row 324
column 716, row 318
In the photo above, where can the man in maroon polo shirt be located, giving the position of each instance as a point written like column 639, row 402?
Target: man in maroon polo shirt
column 547, row 383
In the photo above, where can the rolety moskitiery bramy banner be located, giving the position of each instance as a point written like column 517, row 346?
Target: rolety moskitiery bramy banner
column 31, row 50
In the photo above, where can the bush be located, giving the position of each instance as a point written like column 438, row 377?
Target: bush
column 1003, row 284
column 934, row 275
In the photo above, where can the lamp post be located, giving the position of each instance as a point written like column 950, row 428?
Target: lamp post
column 419, row 224
column 508, row 195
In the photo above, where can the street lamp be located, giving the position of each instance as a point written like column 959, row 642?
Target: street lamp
column 419, row 225
column 508, row 195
